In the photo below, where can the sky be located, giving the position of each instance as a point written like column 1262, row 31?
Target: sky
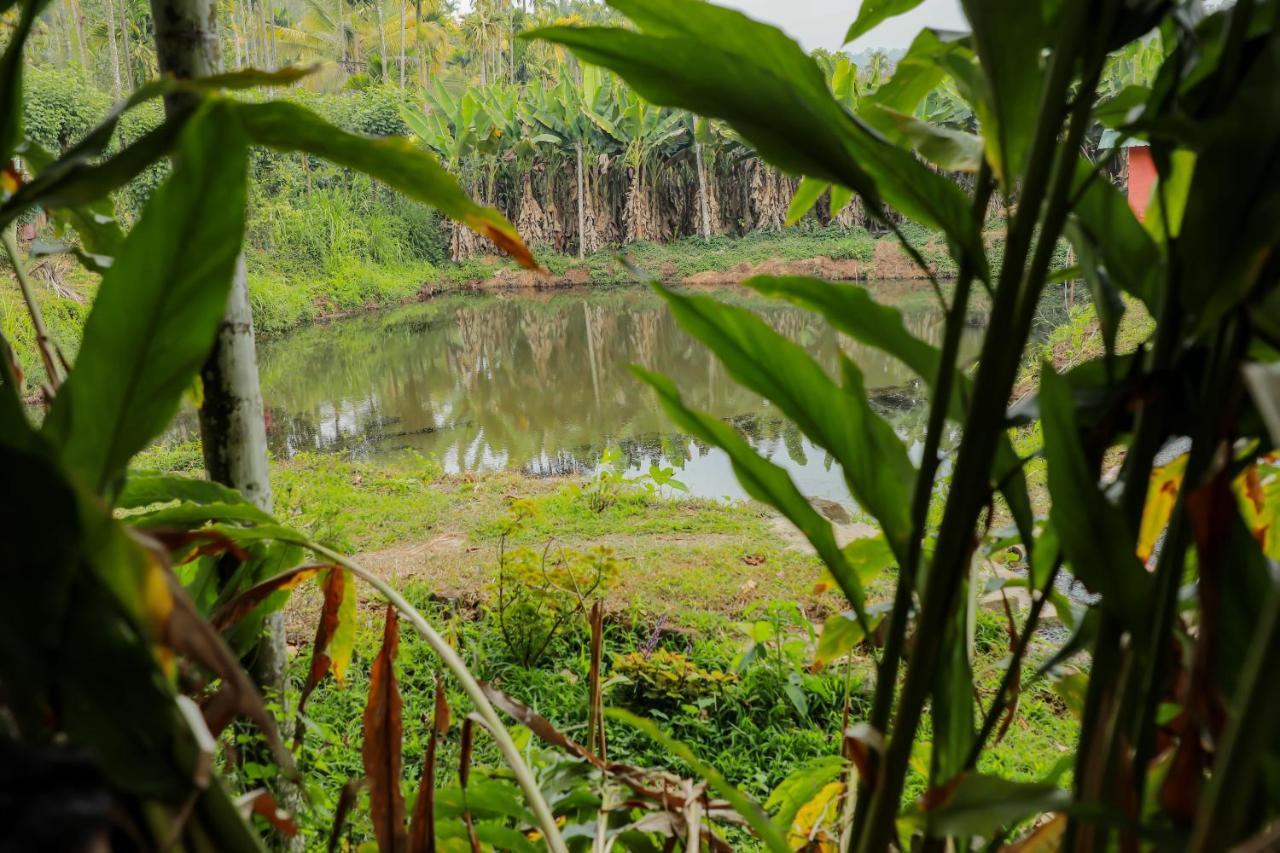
column 822, row 23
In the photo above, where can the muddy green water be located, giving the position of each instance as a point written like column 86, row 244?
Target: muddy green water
column 538, row 382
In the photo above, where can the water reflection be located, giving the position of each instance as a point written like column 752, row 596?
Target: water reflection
column 540, row 382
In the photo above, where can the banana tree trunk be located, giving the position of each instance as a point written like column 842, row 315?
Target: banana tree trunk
column 704, row 209
column 582, row 220
column 232, row 429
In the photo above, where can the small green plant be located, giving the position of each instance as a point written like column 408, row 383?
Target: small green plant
column 610, row 481
column 663, row 678
column 539, row 593
column 779, row 634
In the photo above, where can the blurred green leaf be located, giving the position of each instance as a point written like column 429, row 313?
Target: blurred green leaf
column 1232, row 218
column 839, row 419
column 982, row 805
column 801, row 786
column 918, row 72
column 872, row 12
column 159, row 306
column 806, row 196
column 392, row 160
column 764, row 481
column 948, row 149
column 1105, row 232
column 1008, row 38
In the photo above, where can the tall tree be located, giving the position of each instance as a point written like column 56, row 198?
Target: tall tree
column 232, row 429
column 117, row 87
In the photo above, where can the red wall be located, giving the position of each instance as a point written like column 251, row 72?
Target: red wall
column 1142, row 175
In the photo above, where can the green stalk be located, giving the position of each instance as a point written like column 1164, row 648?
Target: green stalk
column 44, row 343
column 1254, row 722
column 985, row 421
column 999, row 702
column 887, row 677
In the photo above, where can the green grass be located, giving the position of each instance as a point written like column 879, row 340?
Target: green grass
column 687, row 587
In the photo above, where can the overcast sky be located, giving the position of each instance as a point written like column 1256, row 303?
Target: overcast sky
column 822, row 23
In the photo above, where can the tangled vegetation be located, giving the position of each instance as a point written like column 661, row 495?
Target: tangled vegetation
column 141, row 710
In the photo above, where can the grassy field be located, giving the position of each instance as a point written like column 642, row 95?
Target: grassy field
column 695, row 581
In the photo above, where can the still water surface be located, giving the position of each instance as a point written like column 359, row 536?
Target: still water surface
column 539, row 382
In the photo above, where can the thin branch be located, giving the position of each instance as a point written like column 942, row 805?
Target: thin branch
column 48, row 350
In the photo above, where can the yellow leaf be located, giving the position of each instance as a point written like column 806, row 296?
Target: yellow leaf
column 1162, row 493
column 809, row 829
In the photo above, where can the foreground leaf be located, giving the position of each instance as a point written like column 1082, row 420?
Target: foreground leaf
column 765, row 482
column 392, row 160
column 335, row 633
column 1092, row 531
column 871, row 13
column 977, row 804
column 159, row 306
column 877, row 470
column 383, row 737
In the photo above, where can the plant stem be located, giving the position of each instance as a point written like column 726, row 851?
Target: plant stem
column 887, row 676
column 48, row 355
column 1013, row 671
column 546, row 820
column 985, row 420
column 1253, row 723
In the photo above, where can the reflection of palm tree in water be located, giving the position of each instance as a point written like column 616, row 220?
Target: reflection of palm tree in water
column 645, row 335
column 544, row 331
column 601, row 325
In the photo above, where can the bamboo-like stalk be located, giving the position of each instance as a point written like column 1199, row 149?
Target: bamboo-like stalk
column 455, row 664
column 997, row 370
column 953, row 331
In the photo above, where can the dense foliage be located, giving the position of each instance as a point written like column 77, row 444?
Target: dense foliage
column 132, row 596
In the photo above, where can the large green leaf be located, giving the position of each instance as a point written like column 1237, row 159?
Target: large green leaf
column 774, row 95
column 1232, row 219
column 981, row 805
column 851, row 309
column 1103, row 224
column 872, row 12
column 392, row 160
column 918, row 72
column 79, row 177
column 806, row 196
column 948, row 149
column 1008, row 38
column 1093, row 532
column 765, row 482
column 145, row 488
column 159, row 306
column 11, row 63
column 839, row 419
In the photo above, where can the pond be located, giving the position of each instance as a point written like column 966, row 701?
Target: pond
column 539, row 382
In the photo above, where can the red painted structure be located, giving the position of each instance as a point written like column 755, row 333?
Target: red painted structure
column 1142, row 176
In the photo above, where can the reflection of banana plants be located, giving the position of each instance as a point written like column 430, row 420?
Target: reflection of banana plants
column 452, row 379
